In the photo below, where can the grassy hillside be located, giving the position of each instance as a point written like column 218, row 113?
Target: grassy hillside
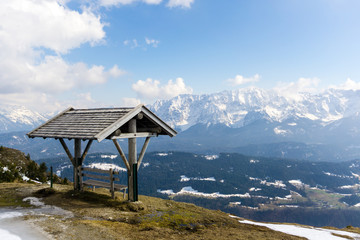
column 97, row 216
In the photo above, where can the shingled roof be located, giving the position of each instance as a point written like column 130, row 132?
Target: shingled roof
column 100, row 123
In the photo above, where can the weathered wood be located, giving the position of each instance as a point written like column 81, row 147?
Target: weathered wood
column 135, row 135
column 67, row 150
column 92, row 182
column 152, row 130
column 96, row 183
column 112, row 184
column 132, row 153
column 142, row 153
column 97, row 170
column 86, row 151
column 77, row 160
column 121, row 152
column 140, row 116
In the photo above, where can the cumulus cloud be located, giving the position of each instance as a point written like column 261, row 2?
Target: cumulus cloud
column 34, row 37
column 240, row 80
column 151, row 89
column 294, row 90
column 180, row 3
column 348, row 85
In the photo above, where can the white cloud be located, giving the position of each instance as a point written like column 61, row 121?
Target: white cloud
column 348, row 85
column 130, row 102
column 34, row 36
column 151, row 89
column 240, row 80
column 110, row 3
column 131, row 43
column 180, row 3
column 294, row 90
column 154, row 43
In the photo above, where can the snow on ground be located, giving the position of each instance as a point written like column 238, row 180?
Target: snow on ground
column 146, row 164
column 184, row 178
column 162, row 154
column 191, row 191
column 310, row 233
column 13, row 227
column 106, row 166
column 211, row 157
column 109, row 156
column 254, row 161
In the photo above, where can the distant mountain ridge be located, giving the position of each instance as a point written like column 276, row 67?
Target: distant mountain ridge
column 238, row 108
column 19, row 118
column 252, row 121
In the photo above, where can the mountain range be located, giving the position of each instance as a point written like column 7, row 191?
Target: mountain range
column 253, row 121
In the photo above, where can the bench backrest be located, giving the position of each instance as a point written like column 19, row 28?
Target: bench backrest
column 88, row 172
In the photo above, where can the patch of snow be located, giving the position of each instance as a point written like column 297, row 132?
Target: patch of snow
column 280, row 131
column 310, row 233
column 191, row 191
column 254, row 189
column 222, row 180
column 5, row 169
column 162, row 154
column 167, row 192
column 211, row 157
column 234, row 203
column 146, row 164
column 277, row 183
column 106, row 166
column 43, row 151
column 34, row 201
column 109, row 156
column 254, row 161
column 292, row 124
column 183, row 178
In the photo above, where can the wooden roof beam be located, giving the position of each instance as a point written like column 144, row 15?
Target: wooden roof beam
column 135, row 135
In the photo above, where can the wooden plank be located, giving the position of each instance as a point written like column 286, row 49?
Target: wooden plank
column 142, row 153
column 135, row 135
column 96, row 176
column 123, row 157
column 67, row 151
column 96, row 170
column 91, row 182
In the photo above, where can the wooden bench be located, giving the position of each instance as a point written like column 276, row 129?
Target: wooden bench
column 108, row 180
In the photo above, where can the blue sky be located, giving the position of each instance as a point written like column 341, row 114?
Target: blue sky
column 90, row 53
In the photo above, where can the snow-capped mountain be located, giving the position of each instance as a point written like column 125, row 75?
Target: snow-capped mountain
column 241, row 107
column 18, row 118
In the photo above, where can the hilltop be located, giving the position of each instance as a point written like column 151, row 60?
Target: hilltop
column 96, row 216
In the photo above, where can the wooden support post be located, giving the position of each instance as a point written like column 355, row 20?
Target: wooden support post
column 67, row 150
column 132, row 160
column 121, row 152
column 142, row 153
column 112, row 184
column 77, row 161
column 86, row 151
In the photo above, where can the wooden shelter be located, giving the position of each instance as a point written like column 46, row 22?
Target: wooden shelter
column 105, row 123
